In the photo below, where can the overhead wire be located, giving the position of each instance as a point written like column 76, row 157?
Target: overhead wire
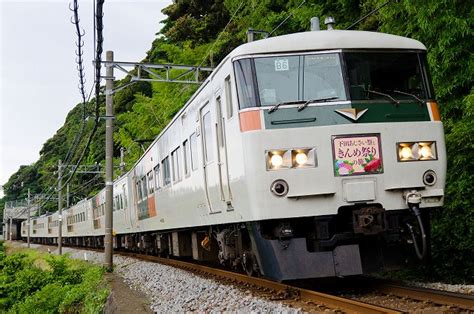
column 98, row 22
column 222, row 31
column 80, row 67
column 367, row 15
column 286, row 19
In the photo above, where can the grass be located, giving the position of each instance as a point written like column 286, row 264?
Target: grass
column 36, row 282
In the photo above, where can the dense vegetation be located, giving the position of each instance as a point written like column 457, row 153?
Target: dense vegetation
column 199, row 32
column 32, row 281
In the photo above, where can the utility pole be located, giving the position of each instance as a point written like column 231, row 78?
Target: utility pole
column 60, row 208
column 29, row 215
column 109, row 167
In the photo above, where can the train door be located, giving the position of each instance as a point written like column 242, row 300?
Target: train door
column 133, row 202
column 211, row 173
column 224, row 188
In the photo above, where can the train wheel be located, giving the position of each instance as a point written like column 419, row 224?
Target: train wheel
column 249, row 263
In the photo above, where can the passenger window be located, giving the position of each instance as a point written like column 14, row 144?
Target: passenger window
column 124, row 195
column 157, row 177
column 139, row 190
column 165, row 164
column 193, row 144
column 151, row 183
column 175, row 161
column 228, row 98
column 186, row 156
column 144, row 187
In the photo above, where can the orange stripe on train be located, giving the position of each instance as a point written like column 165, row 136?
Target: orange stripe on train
column 434, row 110
column 250, row 121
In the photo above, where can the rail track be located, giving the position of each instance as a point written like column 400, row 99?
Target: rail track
column 453, row 302
column 461, row 301
column 291, row 292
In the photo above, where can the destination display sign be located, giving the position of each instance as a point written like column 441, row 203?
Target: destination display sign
column 356, row 155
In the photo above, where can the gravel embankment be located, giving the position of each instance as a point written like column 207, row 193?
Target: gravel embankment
column 175, row 290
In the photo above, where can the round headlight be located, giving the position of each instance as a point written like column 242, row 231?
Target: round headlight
column 301, row 158
column 406, row 153
column 276, row 160
column 426, row 152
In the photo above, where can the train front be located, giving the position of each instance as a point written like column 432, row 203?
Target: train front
column 344, row 153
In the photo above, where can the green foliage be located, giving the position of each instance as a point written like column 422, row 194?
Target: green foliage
column 54, row 284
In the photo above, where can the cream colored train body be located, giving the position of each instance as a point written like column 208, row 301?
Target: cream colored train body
column 306, row 155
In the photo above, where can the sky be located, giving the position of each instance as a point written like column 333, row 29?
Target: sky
column 38, row 76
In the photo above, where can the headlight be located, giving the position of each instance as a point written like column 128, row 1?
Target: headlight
column 290, row 158
column 301, row 158
column 278, row 158
column 276, row 161
column 414, row 151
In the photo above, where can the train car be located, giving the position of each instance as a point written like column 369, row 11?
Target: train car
column 314, row 154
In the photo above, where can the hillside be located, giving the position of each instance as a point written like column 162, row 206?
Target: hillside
column 199, row 32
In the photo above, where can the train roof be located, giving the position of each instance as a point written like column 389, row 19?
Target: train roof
column 328, row 40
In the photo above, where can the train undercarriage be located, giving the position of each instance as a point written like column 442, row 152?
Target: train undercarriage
column 358, row 240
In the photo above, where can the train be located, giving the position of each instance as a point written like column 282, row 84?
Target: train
column 307, row 155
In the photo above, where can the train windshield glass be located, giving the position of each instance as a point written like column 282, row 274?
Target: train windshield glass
column 378, row 74
column 268, row 81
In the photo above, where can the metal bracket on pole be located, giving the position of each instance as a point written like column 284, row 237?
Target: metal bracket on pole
column 169, row 73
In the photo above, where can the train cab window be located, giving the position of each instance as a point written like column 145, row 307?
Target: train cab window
column 277, row 79
column 373, row 74
column 228, row 97
column 186, row 155
column 151, row 183
column 193, row 149
column 157, row 177
column 176, row 164
column 245, row 83
column 165, row 165
column 323, row 77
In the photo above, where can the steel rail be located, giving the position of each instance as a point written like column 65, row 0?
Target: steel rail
column 464, row 301
column 331, row 301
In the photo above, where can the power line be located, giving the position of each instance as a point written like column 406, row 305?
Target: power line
column 80, row 67
column 221, row 32
column 289, row 15
column 98, row 58
column 367, row 15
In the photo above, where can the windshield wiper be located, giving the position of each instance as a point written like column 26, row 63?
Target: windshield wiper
column 274, row 108
column 383, row 94
column 316, row 100
column 409, row 94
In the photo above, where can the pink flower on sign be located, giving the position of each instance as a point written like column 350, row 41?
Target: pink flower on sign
column 373, row 165
column 343, row 171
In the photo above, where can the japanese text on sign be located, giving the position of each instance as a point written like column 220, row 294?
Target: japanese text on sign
column 357, row 155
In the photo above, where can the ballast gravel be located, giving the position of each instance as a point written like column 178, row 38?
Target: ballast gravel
column 174, row 290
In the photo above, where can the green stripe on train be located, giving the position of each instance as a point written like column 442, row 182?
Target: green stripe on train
column 326, row 114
